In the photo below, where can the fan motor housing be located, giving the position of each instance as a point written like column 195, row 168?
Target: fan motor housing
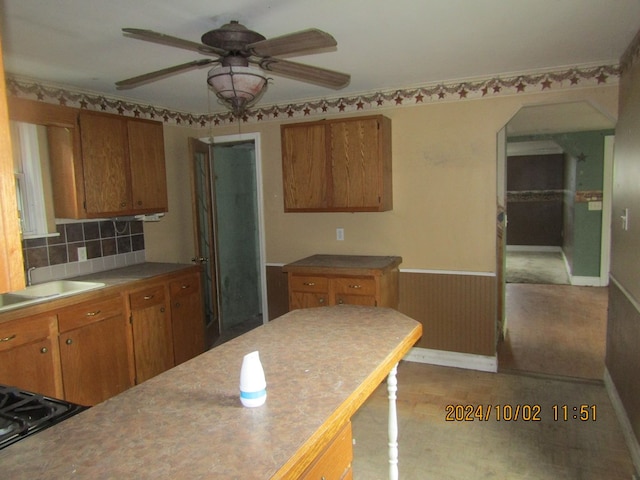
column 232, row 37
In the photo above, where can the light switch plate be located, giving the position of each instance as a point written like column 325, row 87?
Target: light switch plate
column 340, row 234
column 82, row 254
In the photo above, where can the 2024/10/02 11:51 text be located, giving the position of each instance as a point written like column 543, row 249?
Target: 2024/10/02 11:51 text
column 518, row 412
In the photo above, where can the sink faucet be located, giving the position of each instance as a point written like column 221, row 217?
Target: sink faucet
column 29, row 280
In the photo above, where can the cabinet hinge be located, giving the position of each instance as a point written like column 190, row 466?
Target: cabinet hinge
column 131, row 318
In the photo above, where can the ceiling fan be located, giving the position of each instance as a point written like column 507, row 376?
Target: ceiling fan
column 233, row 48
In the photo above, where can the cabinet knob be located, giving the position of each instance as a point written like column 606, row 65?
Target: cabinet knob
column 309, row 284
column 68, row 341
column 92, row 314
column 44, row 350
column 177, row 304
column 161, row 309
column 340, row 301
column 321, row 300
column 355, row 286
column 8, row 339
column 148, row 297
column 123, row 204
column 139, row 202
column 185, row 286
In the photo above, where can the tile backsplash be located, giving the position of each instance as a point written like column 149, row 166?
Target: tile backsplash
column 109, row 244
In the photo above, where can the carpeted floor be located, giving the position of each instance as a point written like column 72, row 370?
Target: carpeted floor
column 536, row 267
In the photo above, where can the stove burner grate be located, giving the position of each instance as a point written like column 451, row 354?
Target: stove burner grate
column 24, row 413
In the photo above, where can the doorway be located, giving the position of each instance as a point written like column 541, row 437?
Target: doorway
column 534, row 347
column 231, row 210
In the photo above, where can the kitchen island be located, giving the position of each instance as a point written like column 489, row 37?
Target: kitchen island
column 320, row 364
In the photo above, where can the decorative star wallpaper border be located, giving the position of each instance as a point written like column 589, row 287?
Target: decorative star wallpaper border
column 577, row 77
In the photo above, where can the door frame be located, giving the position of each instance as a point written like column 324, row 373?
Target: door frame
column 212, row 332
column 255, row 138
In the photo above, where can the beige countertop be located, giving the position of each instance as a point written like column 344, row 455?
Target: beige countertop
column 118, row 278
column 356, row 264
column 140, row 271
column 320, row 365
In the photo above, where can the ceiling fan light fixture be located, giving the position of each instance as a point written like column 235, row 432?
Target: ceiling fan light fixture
column 237, row 87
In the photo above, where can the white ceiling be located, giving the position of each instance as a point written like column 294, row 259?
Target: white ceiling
column 382, row 44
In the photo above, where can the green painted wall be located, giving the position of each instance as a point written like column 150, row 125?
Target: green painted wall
column 584, row 169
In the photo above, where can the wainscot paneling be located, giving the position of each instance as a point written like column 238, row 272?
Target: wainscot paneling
column 457, row 311
column 277, row 291
column 623, row 357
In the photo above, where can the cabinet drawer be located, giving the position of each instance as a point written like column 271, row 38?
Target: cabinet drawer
column 335, row 462
column 355, row 285
column 185, row 285
column 89, row 312
column 303, row 283
column 25, row 330
column 147, row 298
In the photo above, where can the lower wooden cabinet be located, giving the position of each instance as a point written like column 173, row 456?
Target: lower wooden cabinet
column 94, row 350
column 323, row 280
column 187, row 317
column 89, row 351
column 152, row 334
column 334, row 463
column 29, row 355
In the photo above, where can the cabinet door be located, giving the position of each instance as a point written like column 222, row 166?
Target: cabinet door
column 306, row 291
column 334, row 463
column 304, row 166
column 307, row 300
column 152, row 335
column 187, row 317
column 29, row 356
column 94, row 351
column 107, row 180
column 148, row 174
column 356, row 175
column 31, row 367
column 354, row 291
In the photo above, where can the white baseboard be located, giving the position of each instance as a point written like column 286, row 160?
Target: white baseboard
column 532, row 248
column 453, row 359
column 623, row 419
column 578, row 281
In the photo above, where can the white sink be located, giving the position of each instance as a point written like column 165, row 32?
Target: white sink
column 57, row 288
column 44, row 291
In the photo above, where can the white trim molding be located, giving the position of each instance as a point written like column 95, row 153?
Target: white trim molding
column 444, row 358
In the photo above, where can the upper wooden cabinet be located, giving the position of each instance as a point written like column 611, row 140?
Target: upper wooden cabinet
column 123, row 165
column 102, row 165
column 337, row 165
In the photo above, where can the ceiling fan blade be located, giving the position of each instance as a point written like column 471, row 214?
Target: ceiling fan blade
column 161, row 38
column 299, row 71
column 158, row 74
column 305, row 40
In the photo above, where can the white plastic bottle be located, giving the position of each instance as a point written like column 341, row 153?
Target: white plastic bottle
column 253, row 386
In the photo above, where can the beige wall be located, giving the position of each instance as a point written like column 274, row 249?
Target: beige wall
column 625, row 261
column 623, row 326
column 444, row 182
column 171, row 239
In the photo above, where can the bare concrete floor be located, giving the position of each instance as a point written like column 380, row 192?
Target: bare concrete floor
column 553, row 357
column 433, row 448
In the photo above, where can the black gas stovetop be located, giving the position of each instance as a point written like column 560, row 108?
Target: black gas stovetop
column 24, row 413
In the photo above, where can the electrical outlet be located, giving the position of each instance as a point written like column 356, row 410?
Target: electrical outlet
column 340, row 234
column 82, row 254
